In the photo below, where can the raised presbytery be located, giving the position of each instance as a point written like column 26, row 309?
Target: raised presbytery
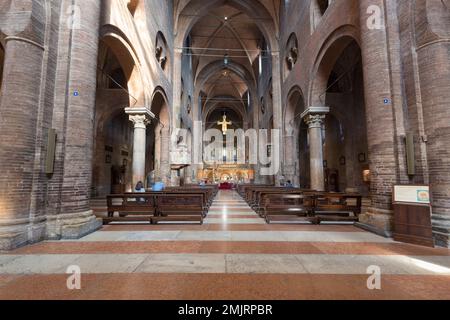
column 224, row 149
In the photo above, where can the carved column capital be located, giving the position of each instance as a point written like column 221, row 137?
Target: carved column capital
column 140, row 116
column 315, row 120
column 140, row 121
column 314, row 117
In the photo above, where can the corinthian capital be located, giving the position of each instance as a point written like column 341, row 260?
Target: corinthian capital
column 315, row 120
column 141, row 117
column 139, row 120
column 314, row 117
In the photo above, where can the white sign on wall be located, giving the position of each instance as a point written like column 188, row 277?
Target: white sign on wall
column 412, row 194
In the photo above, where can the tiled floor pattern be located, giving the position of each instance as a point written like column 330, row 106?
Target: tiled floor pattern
column 234, row 255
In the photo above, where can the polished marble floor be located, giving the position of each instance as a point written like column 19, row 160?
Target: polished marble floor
column 234, row 255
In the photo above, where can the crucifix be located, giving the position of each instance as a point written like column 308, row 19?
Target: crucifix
column 224, row 123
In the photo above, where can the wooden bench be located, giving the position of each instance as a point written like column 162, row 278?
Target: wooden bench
column 182, row 206
column 250, row 193
column 207, row 194
column 337, row 207
column 130, row 207
column 289, row 207
column 259, row 201
column 179, row 207
column 243, row 188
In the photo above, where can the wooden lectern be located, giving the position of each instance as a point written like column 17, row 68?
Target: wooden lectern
column 412, row 215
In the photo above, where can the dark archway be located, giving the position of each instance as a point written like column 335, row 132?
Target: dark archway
column 158, row 140
column 294, row 156
column 346, row 154
column 2, row 61
column 113, row 143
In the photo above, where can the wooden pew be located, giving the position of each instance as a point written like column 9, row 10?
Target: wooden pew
column 179, row 207
column 175, row 204
column 288, row 207
column 130, row 207
column 243, row 188
column 337, row 207
column 207, row 194
column 322, row 206
column 250, row 193
column 258, row 202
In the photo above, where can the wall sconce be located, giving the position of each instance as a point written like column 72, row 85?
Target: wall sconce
column 366, row 175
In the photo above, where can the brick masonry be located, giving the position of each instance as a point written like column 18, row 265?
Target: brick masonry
column 407, row 61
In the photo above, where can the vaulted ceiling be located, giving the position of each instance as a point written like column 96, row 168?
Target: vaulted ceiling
column 226, row 40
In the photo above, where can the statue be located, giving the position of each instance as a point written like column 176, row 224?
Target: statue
column 224, row 124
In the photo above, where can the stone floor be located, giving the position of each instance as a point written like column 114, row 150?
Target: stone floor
column 234, row 255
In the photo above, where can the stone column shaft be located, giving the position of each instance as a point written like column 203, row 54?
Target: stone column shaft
column 165, row 156
column 277, row 112
column 139, row 147
column 315, row 123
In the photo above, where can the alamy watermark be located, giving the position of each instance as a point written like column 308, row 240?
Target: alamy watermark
column 374, row 280
column 212, row 146
column 74, row 280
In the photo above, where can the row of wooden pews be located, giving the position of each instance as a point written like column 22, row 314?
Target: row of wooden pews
column 174, row 204
column 280, row 204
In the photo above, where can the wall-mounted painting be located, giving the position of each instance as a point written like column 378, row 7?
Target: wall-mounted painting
column 362, row 157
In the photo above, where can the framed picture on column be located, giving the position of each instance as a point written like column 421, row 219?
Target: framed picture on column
column 362, row 157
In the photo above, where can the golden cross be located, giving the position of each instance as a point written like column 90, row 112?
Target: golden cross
column 224, row 124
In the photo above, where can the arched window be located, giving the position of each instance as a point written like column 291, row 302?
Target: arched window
column 318, row 9
column 323, row 5
column 132, row 6
column 291, row 54
column 162, row 52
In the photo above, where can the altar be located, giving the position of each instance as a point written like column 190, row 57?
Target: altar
column 231, row 174
column 226, row 186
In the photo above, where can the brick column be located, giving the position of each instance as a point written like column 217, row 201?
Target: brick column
column 380, row 118
column 19, row 105
column 74, row 217
column 433, row 59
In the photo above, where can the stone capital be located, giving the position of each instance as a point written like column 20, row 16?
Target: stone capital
column 314, row 117
column 315, row 121
column 140, row 117
column 140, row 120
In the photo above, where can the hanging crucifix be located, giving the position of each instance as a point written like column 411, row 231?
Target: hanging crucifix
column 224, row 123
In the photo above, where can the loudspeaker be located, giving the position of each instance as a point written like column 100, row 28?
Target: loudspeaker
column 51, row 150
column 410, row 155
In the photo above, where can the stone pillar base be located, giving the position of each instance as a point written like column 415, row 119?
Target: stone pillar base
column 441, row 230
column 378, row 221
column 15, row 233
column 72, row 226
